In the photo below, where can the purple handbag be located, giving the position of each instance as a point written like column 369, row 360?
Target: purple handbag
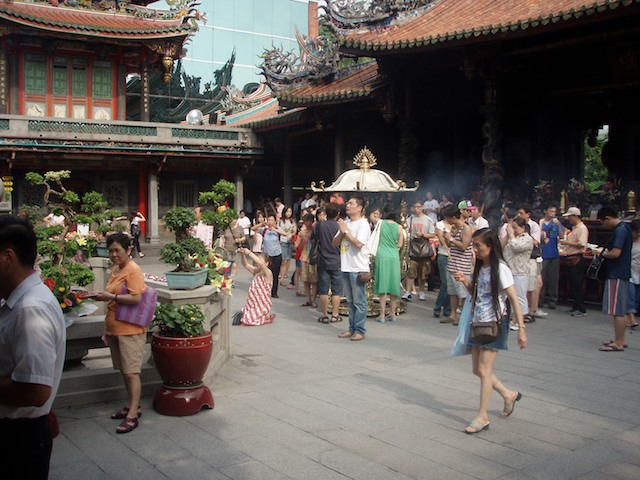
column 140, row 314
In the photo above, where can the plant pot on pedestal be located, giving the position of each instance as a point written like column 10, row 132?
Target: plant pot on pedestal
column 181, row 351
column 182, row 363
column 186, row 280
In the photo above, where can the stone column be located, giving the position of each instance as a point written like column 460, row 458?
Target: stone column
column 121, row 83
column 152, row 219
column 338, row 153
column 239, row 200
column 492, row 153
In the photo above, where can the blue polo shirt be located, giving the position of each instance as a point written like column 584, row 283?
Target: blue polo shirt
column 620, row 268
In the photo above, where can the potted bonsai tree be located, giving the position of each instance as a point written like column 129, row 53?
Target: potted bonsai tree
column 181, row 350
column 189, row 273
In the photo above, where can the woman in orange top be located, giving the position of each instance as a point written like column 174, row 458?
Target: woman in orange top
column 126, row 340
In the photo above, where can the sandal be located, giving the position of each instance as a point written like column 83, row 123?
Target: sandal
column 609, row 342
column 528, row 318
column 121, row 414
column 307, row 304
column 336, row 318
column 476, row 427
column 127, row 425
column 509, row 407
column 323, row 320
column 612, row 347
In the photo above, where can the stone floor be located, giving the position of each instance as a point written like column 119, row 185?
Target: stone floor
column 297, row 402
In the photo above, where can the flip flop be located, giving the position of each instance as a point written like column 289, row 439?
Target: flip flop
column 609, row 342
column 509, row 407
column 611, row 348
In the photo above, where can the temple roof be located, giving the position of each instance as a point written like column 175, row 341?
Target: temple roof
column 267, row 114
column 459, row 20
column 349, row 84
column 127, row 23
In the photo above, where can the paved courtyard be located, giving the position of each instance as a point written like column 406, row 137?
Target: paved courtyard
column 295, row 401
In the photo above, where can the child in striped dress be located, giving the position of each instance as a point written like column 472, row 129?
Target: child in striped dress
column 257, row 310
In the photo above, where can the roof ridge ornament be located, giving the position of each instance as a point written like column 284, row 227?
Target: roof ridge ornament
column 365, row 159
column 354, row 14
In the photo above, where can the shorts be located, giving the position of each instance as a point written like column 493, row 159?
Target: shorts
column 615, row 297
column 521, row 282
column 286, row 250
column 329, row 278
column 632, row 300
column 127, row 352
column 308, row 273
column 419, row 268
column 533, row 275
column 298, row 262
column 457, row 288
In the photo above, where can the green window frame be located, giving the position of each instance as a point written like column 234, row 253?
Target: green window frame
column 60, row 77
column 101, row 80
column 35, row 75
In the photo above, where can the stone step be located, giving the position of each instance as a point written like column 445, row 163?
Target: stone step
column 82, row 387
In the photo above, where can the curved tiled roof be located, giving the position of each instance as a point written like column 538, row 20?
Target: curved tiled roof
column 349, row 84
column 109, row 24
column 456, row 20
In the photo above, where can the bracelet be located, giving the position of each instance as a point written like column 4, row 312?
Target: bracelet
column 115, row 299
column 522, row 327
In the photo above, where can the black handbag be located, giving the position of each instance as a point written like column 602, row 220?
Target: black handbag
column 485, row 332
column 313, row 251
column 597, row 268
column 419, row 247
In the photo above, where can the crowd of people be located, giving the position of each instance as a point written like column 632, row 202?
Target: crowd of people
column 510, row 273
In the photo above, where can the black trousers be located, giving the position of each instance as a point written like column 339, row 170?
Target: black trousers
column 576, row 274
column 25, row 448
column 274, row 266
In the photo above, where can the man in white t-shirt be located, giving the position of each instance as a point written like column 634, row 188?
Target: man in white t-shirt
column 431, row 207
column 354, row 259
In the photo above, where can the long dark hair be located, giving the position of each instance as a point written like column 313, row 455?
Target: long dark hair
column 489, row 238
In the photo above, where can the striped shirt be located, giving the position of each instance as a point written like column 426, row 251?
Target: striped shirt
column 460, row 260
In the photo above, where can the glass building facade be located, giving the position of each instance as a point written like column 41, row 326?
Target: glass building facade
column 249, row 26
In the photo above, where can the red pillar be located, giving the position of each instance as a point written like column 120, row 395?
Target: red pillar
column 142, row 195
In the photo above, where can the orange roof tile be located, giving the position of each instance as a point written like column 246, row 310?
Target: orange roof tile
column 451, row 20
column 266, row 114
column 109, row 24
column 349, row 84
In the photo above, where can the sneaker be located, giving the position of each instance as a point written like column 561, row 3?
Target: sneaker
column 458, row 310
column 436, row 313
column 552, row 305
column 513, row 326
column 540, row 313
column 422, row 296
column 406, row 296
column 578, row 313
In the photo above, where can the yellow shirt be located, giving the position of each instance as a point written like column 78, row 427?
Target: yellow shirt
column 579, row 234
column 132, row 275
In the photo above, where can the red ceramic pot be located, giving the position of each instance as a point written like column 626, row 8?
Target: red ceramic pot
column 182, row 362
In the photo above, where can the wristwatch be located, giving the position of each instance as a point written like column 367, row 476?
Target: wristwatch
column 346, row 231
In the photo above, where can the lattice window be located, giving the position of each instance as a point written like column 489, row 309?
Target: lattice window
column 115, row 193
column 185, row 194
column 60, row 77
column 101, row 83
column 79, row 78
column 35, row 74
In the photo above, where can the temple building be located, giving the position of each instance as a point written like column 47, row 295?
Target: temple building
column 463, row 95
column 63, row 73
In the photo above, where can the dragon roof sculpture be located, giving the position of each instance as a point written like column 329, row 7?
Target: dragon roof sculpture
column 356, row 14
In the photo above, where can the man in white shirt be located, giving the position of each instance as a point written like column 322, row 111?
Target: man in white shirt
column 477, row 221
column 32, row 350
column 431, row 207
column 354, row 259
